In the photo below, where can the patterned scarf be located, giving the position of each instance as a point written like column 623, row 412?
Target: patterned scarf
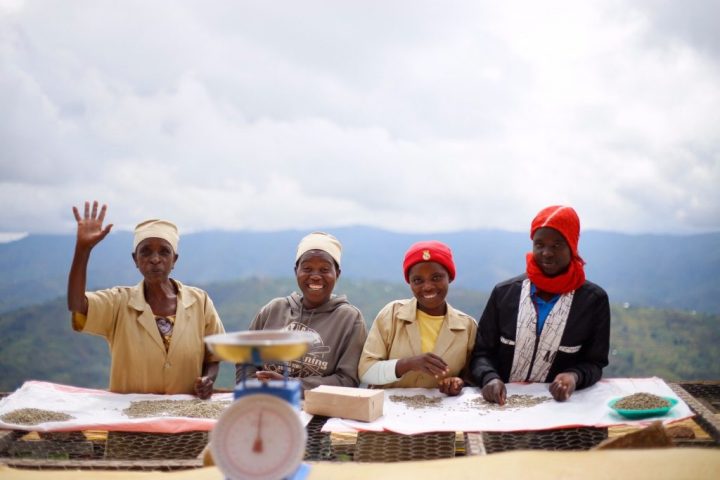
column 525, row 336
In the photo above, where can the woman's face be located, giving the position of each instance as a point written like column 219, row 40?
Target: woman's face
column 316, row 276
column 551, row 252
column 429, row 282
column 155, row 259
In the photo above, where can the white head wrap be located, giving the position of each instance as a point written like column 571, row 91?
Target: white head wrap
column 157, row 229
column 320, row 241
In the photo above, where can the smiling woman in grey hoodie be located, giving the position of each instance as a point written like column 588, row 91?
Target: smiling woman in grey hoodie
column 338, row 326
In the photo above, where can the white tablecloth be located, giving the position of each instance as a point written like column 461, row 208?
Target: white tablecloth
column 585, row 408
column 101, row 410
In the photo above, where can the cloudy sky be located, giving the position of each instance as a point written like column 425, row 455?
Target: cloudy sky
column 406, row 115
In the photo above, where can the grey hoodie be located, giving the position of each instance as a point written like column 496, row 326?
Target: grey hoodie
column 333, row 358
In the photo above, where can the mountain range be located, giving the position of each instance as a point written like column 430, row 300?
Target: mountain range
column 660, row 271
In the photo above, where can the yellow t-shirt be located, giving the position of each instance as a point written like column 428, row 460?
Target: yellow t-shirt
column 429, row 330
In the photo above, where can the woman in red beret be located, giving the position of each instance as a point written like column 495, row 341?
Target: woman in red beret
column 423, row 341
column 548, row 325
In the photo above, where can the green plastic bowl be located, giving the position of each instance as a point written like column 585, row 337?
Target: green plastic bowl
column 649, row 412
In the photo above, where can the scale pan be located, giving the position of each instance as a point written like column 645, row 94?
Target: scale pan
column 270, row 345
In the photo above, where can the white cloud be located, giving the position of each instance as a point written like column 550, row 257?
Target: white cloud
column 403, row 115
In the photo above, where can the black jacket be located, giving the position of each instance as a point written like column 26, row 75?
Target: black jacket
column 588, row 325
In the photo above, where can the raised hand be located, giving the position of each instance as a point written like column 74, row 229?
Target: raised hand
column 494, row 391
column 427, row 363
column 90, row 226
column 90, row 232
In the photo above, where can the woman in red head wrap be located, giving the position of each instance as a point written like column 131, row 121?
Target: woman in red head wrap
column 423, row 341
column 547, row 325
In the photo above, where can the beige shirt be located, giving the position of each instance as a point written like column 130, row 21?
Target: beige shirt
column 395, row 334
column 139, row 361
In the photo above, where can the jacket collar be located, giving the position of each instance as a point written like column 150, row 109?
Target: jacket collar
column 446, row 336
column 408, row 313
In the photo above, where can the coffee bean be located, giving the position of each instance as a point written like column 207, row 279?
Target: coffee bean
column 641, row 401
column 34, row 416
column 175, row 408
column 512, row 402
column 416, row 401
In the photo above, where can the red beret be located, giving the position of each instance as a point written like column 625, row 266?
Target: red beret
column 429, row 251
column 563, row 219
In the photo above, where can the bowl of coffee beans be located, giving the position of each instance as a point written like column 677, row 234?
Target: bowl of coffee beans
column 642, row 405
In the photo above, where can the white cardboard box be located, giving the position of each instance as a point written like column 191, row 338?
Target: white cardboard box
column 345, row 402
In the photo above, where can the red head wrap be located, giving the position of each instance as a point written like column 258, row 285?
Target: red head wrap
column 429, row 251
column 565, row 220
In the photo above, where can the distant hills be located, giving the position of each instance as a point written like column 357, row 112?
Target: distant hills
column 659, row 271
column 36, row 342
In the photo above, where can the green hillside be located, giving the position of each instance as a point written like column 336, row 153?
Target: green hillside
column 38, row 343
column 671, row 344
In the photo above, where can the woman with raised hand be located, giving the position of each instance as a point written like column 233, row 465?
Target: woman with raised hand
column 423, row 341
column 155, row 329
column 548, row 325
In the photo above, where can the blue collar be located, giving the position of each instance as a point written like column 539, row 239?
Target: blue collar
column 537, row 299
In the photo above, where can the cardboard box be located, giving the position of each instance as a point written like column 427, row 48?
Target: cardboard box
column 345, row 402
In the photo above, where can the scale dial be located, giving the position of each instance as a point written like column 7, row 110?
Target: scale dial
column 258, row 437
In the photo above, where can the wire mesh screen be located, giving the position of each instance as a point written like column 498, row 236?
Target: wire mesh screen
column 102, row 450
column 566, row 439
column 152, row 446
column 708, row 393
column 702, row 397
column 319, row 445
column 393, row 447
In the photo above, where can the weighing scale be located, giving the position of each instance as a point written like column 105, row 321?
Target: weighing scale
column 260, row 435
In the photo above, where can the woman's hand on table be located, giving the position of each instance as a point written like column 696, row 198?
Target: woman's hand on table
column 204, row 387
column 563, row 386
column 451, row 386
column 494, row 391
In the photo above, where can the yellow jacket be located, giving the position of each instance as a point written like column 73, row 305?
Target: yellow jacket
column 139, row 362
column 395, row 334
